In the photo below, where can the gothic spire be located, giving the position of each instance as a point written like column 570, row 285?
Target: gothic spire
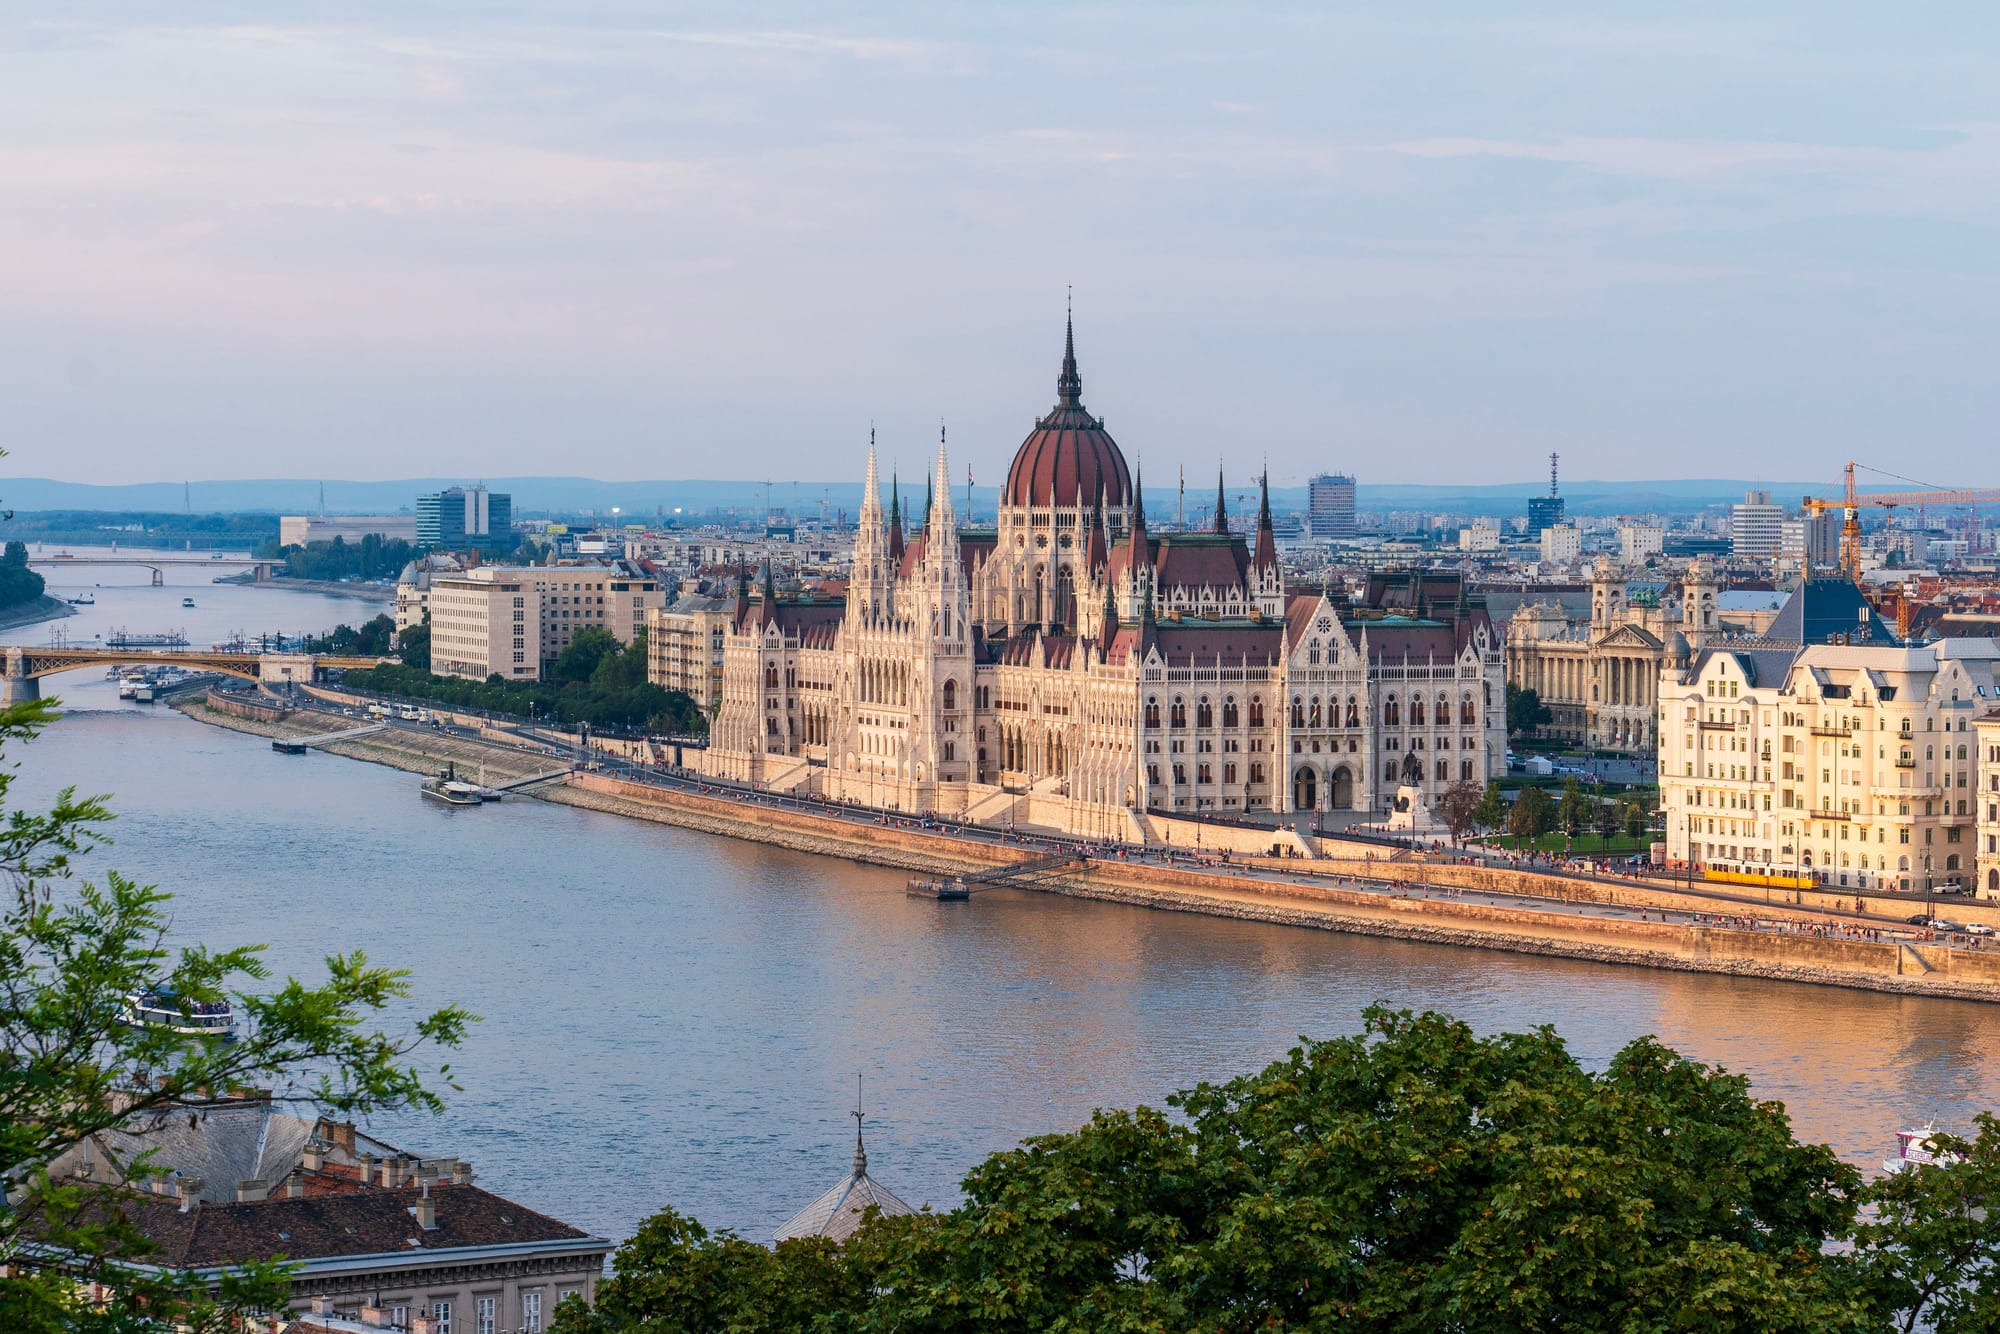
column 1069, row 385
column 1221, row 510
column 1267, row 538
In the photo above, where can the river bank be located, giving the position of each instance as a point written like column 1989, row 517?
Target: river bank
column 1408, row 901
column 43, row 608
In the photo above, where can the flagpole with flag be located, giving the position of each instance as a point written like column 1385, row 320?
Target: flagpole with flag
column 1180, row 515
column 968, row 490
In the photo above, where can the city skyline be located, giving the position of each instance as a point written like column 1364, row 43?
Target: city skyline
column 1451, row 239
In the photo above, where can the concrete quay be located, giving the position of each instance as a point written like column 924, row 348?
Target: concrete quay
column 1435, row 903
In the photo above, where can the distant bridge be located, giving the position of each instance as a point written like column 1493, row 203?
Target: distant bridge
column 62, row 560
column 26, row 666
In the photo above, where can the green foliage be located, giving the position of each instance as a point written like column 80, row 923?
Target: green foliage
column 1932, row 1245
column 1415, row 1177
column 1491, row 813
column 578, row 661
column 1573, row 810
column 18, row 583
column 156, row 528
column 369, row 558
column 374, row 637
column 1525, row 712
column 1636, row 813
column 1458, row 806
column 71, row 953
column 606, row 688
column 1533, row 815
column 413, row 645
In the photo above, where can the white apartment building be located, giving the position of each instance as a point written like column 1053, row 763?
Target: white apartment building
column 475, row 632
column 1562, row 544
column 1852, row 763
column 1479, row 535
column 1637, row 541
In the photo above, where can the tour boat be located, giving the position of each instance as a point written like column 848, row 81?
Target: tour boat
column 83, row 600
column 444, row 793
column 1914, row 1149
column 187, row 602
column 158, row 1007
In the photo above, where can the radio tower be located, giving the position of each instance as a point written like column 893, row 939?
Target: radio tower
column 1552, row 474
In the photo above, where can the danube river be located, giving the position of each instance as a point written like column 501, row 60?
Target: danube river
column 672, row 1018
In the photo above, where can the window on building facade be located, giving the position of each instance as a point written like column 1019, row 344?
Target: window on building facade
column 531, row 1313
column 441, row 1314
column 482, row 1314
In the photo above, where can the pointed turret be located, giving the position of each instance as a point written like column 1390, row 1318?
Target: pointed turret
column 895, row 528
column 1267, row 537
column 867, row 591
column 1094, row 549
column 769, row 611
column 1221, row 507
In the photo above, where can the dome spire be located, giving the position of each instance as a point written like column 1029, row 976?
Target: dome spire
column 1069, row 385
column 860, row 1154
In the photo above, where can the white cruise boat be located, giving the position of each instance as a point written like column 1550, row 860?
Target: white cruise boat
column 1914, row 1149
column 158, row 1007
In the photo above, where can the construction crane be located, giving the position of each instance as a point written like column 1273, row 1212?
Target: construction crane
column 1850, row 502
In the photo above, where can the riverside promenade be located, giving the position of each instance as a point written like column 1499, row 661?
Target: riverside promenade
column 1354, row 888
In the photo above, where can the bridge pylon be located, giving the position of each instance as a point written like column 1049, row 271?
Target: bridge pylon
column 17, row 687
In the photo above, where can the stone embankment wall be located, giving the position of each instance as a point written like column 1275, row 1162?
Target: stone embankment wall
column 1322, row 902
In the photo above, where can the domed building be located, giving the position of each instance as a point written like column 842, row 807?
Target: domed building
column 1074, row 669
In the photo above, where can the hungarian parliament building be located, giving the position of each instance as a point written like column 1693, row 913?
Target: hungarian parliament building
column 1070, row 668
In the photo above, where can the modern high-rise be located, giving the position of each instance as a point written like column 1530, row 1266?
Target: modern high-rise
column 1545, row 511
column 466, row 516
column 1755, row 527
column 1330, row 506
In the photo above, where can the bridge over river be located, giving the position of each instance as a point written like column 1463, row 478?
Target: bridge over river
column 157, row 562
column 25, row 667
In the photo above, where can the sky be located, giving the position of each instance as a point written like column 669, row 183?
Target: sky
column 1415, row 242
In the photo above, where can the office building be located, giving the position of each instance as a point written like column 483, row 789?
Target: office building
column 298, row 530
column 1545, row 511
column 516, row 621
column 1330, row 506
column 1755, row 527
column 464, row 517
column 684, row 648
column 1561, row 544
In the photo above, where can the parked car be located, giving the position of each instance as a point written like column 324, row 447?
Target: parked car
column 1978, row 929
column 1919, row 919
column 1945, row 924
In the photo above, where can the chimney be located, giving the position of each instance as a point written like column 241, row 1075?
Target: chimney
column 423, row 1324
column 322, row 1306
column 189, row 1189
column 391, row 1173
column 376, row 1316
column 256, row 1188
column 426, row 1209
column 367, row 1169
column 295, row 1186
column 343, row 1136
column 315, row 1155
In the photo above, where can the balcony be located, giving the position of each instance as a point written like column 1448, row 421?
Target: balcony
column 1829, row 815
column 1831, row 731
column 1707, row 726
column 1906, row 762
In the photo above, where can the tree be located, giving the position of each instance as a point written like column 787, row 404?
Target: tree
column 1415, row 1176
column 1458, row 806
column 1931, row 1248
column 1534, row 815
column 413, row 645
column 1638, row 816
column 73, row 952
column 1491, row 813
column 1605, row 816
column 1525, row 712
column 587, row 648
column 1573, row 811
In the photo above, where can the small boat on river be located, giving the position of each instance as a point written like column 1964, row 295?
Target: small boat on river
column 447, row 789
column 1915, row 1149
column 158, row 1007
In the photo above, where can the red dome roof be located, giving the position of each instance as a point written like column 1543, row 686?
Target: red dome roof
column 1069, row 453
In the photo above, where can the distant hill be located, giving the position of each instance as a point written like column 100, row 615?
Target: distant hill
column 643, row 500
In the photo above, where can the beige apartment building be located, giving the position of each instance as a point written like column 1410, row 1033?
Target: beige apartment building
column 1855, row 764
column 515, row 621
column 684, row 648
column 1986, row 801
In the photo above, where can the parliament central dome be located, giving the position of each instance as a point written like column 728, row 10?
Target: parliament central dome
column 1069, row 453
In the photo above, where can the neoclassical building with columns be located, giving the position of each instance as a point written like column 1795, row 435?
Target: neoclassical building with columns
column 1600, row 681
column 1071, row 667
